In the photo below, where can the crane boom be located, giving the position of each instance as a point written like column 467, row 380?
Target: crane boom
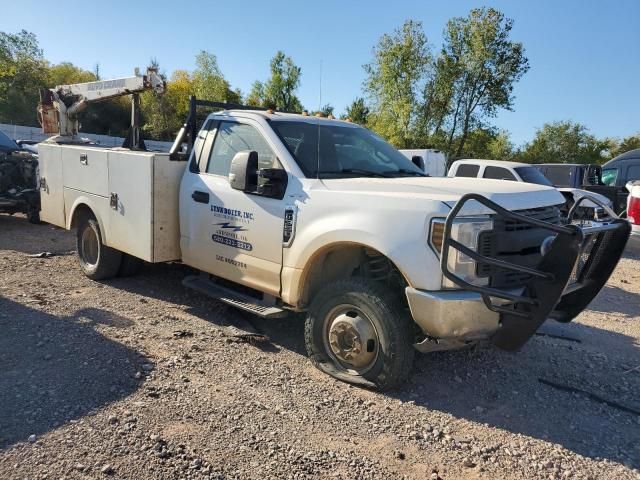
column 59, row 106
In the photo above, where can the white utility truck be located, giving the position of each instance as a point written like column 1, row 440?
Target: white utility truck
column 288, row 213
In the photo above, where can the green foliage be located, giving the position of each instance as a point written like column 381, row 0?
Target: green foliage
column 394, row 81
column 565, row 142
column 256, row 94
column 487, row 143
column 357, row 112
column 325, row 111
column 208, row 81
column 478, row 66
column 164, row 115
column 66, row 73
column 279, row 91
column 23, row 72
column 618, row 147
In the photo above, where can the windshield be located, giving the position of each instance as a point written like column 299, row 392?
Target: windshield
column 332, row 151
column 6, row 144
column 532, row 175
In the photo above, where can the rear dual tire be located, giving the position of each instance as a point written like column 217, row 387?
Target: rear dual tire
column 98, row 261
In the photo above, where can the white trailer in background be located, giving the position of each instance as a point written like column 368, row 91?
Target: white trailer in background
column 435, row 161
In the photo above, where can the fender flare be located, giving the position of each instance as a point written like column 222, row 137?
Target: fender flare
column 87, row 201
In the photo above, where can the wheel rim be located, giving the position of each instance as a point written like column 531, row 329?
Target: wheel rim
column 90, row 247
column 351, row 339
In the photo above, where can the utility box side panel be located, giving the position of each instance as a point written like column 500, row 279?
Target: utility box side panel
column 86, row 169
column 166, row 221
column 131, row 203
column 51, row 184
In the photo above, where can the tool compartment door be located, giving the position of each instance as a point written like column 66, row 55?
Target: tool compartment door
column 130, row 188
column 86, row 169
column 51, row 184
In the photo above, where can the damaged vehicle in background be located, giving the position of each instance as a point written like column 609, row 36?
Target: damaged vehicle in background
column 18, row 180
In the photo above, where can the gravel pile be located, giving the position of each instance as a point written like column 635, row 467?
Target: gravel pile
column 137, row 378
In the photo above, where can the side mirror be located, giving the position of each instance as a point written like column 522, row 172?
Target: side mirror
column 418, row 161
column 243, row 174
column 272, row 182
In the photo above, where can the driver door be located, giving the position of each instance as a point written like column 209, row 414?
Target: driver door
column 237, row 235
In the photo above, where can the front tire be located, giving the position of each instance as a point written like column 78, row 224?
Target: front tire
column 357, row 332
column 98, row 262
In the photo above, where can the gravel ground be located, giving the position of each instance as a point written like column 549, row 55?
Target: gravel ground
column 135, row 378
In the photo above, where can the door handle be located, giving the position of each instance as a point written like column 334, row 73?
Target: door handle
column 83, row 159
column 200, row 197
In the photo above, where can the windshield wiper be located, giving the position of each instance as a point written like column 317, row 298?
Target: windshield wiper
column 359, row 171
column 407, row 172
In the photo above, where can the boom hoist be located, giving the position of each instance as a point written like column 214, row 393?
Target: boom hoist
column 60, row 106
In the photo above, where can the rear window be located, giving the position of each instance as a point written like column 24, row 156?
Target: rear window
column 498, row 173
column 466, row 170
column 532, row 175
column 560, row 176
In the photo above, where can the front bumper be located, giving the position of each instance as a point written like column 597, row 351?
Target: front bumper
column 453, row 314
column 571, row 272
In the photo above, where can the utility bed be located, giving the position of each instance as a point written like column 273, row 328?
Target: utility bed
column 134, row 195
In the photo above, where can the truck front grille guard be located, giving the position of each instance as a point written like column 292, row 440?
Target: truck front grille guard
column 546, row 294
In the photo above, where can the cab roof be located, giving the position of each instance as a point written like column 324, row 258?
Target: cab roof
column 287, row 117
column 490, row 163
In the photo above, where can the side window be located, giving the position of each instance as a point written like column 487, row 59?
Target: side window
column 198, row 143
column 609, row 176
column 633, row 173
column 466, row 170
column 498, row 173
column 232, row 138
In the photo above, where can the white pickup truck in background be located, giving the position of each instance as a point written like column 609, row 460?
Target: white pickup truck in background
column 523, row 172
column 290, row 213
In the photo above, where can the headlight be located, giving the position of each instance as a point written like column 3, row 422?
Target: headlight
column 466, row 231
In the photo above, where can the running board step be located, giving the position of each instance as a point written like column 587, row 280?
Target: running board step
column 202, row 284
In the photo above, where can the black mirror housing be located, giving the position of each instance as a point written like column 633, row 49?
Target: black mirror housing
column 243, row 174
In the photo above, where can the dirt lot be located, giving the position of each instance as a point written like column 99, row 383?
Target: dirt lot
column 134, row 378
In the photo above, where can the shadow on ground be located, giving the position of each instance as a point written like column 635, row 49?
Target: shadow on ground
column 504, row 386
column 56, row 369
column 17, row 234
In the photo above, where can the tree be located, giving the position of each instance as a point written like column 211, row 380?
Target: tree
column 565, row 142
column 279, row 91
column 478, row 66
column 357, row 112
column 326, row 110
column 164, row 115
column 208, row 81
column 500, row 147
column 256, row 94
column 629, row 143
column 66, row 72
column 394, row 81
column 23, row 72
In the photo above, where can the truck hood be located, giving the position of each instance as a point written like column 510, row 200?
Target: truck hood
column 510, row 195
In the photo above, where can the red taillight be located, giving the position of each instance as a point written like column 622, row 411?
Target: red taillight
column 633, row 212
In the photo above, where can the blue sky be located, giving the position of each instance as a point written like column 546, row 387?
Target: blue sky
column 584, row 55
